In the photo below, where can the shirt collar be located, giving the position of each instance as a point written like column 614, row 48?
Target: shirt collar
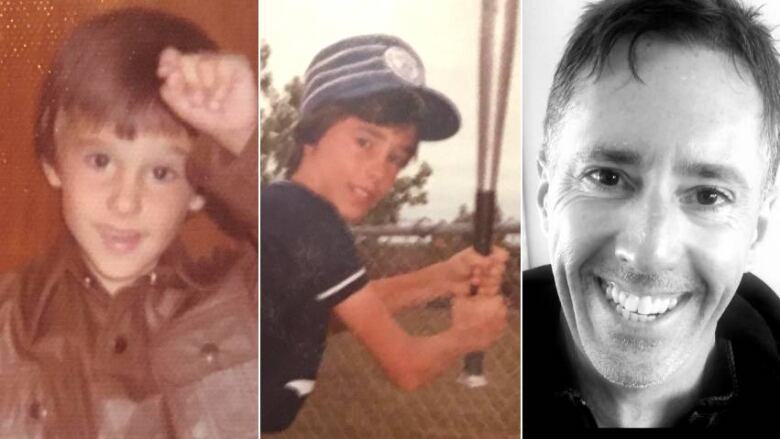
column 173, row 270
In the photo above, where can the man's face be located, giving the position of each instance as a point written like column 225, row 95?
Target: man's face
column 123, row 200
column 355, row 163
column 653, row 203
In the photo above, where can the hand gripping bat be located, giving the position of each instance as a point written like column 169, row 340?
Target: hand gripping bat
column 497, row 46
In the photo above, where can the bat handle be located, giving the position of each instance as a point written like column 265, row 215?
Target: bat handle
column 483, row 236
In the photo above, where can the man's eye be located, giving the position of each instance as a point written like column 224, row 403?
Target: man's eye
column 98, row 160
column 605, row 177
column 164, row 173
column 709, row 196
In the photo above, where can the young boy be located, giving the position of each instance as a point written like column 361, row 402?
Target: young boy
column 114, row 332
column 364, row 110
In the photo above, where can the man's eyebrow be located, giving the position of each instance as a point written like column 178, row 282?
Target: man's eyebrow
column 712, row 171
column 610, row 154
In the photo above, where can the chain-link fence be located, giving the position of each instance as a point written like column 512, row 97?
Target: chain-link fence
column 354, row 400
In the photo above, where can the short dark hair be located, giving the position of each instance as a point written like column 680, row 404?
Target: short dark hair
column 106, row 71
column 385, row 108
column 724, row 25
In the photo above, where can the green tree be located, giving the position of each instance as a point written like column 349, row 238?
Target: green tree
column 278, row 113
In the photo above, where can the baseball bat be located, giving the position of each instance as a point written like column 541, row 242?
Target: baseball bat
column 497, row 44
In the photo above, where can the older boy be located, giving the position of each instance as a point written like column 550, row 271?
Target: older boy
column 364, row 110
column 115, row 333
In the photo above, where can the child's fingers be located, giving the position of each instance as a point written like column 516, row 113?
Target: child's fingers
column 172, row 90
column 475, row 259
column 497, row 270
column 188, row 66
column 189, row 71
column 175, row 82
column 492, row 279
column 488, row 276
column 487, row 286
column 203, row 81
column 493, row 265
column 206, row 66
column 169, row 61
column 499, row 254
column 173, row 96
column 488, row 290
column 207, row 71
column 224, row 73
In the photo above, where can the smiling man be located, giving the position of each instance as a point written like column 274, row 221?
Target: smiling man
column 657, row 178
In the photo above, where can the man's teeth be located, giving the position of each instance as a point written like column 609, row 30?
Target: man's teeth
column 361, row 192
column 644, row 305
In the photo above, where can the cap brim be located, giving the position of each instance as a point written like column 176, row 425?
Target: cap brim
column 440, row 119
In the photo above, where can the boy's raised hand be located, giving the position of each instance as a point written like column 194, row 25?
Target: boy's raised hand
column 216, row 93
column 468, row 267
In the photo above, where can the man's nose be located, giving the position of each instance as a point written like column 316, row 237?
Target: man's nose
column 126, row 194
column 651, row 239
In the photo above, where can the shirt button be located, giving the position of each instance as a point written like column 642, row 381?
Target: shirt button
column 209, row 352
column 38, row 411
column 120, row 344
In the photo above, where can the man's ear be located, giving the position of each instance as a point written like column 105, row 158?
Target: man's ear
column 544, row 187
column 52, row 175
column 196, row 203
column 762, row 223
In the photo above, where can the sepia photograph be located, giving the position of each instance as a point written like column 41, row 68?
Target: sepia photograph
column 128, row 175
column 389, row 217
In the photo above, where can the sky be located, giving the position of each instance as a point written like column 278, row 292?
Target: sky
column 445, row 33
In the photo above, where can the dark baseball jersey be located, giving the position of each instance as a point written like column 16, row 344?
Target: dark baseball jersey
column 308, row 264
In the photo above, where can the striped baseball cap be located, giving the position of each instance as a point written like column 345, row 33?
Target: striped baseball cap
column 368, row 64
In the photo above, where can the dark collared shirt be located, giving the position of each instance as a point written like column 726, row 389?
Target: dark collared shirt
column 309, row 264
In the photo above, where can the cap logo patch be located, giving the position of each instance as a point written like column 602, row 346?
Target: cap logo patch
column 404, row 65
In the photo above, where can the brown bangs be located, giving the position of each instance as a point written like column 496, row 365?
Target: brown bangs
column 105, row 73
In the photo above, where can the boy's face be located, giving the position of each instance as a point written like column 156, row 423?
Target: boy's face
column 355, row 163
column 123, row 200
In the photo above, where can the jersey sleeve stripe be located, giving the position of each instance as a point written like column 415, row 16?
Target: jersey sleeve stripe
column 336, row 288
